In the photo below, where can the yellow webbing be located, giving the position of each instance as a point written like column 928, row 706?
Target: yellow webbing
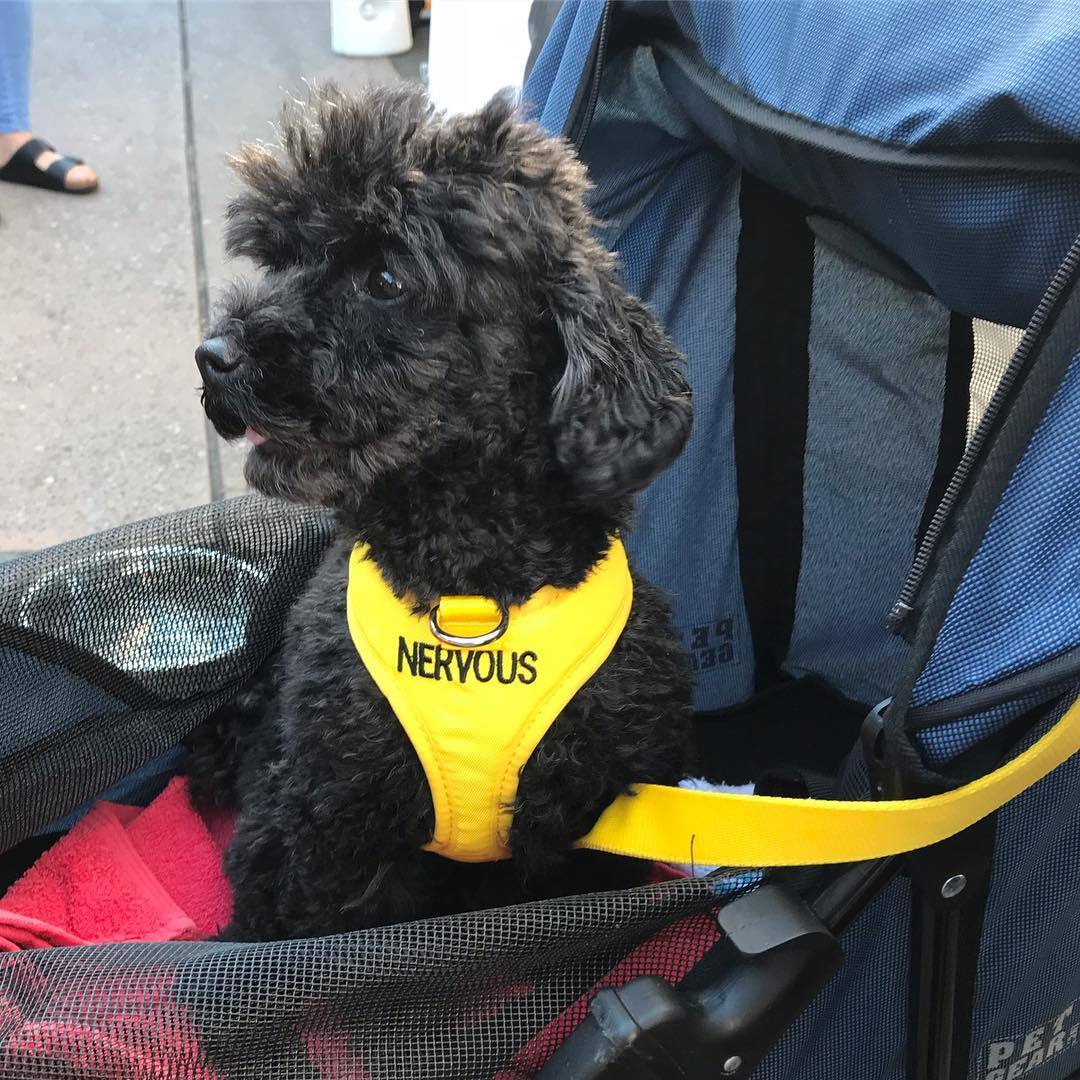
column 475, row 715
column 712, row 829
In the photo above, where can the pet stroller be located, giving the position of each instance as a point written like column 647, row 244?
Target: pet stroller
column 845, row 214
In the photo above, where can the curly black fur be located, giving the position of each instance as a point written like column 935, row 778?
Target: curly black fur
column 482, row 429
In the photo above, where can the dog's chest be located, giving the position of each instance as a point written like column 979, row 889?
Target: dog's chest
column 476, row 688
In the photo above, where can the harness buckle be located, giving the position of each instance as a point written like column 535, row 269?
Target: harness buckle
column 471, row 641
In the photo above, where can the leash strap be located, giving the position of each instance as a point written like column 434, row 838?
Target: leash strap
column 677, row 825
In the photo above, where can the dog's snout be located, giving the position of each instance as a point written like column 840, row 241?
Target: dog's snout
column 212, row 357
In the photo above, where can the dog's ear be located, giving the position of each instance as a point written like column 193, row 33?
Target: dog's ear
column 262, row 220
column 621, row 411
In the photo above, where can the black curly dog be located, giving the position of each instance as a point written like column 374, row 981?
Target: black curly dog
column 438, row 350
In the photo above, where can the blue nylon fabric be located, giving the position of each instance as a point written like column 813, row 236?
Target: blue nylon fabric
column 1018, row 603
column 831, row 1039
column 987, row 242
column 670, row 210
column 877, row 378
column 916, row 73
column 1029, row 963
column 1028, row 973
column 138, row 789
column 943, row 743
column 555, row 76
column 684, row 536
column 934, row 76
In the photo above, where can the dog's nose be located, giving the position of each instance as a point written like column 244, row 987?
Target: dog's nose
column 212, row 358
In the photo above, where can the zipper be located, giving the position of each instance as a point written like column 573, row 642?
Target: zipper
column 905, row 608
column 598, row 67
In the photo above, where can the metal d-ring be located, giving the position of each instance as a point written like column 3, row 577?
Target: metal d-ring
column 473, row 642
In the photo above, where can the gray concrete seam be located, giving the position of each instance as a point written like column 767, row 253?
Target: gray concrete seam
column 202, row 292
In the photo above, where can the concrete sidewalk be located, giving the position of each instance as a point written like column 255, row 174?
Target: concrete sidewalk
column 102, row 298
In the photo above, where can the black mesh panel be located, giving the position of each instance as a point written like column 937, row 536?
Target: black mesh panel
column 489, row 994
column 114, row 647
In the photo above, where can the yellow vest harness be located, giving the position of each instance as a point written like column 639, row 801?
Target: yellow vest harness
column 475, row 715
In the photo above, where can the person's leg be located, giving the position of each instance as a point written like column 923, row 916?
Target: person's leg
column 15, row 93
column 14, row 66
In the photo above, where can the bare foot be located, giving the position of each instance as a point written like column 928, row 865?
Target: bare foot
column 79, row 177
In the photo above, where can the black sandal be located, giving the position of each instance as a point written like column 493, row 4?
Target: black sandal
column 22, row 169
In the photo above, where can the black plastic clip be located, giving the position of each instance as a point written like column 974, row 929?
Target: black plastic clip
column 886, row 781
column 778, row 956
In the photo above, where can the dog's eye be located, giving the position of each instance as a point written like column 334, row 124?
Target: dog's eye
column 383, row 285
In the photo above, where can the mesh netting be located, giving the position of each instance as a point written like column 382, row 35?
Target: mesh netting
column 994, row 345
column 489, row 994
column 111, row 650
column 115, row 646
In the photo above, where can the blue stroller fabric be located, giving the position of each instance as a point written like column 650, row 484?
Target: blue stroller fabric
column 946, row 140
column 924, row 162
column 957, row 125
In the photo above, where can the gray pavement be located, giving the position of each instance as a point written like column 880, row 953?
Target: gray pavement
column 102, row 297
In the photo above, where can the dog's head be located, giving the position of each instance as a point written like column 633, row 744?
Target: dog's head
column 412, row 266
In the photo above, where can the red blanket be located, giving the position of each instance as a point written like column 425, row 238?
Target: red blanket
column 124, row 874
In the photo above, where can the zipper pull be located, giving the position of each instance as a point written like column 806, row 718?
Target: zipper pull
column 901, row 619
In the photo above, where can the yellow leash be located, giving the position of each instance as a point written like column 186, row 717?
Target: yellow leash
column 711, row 829
column 476, row 688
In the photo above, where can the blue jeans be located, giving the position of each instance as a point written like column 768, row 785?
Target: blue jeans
column 14, row 65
